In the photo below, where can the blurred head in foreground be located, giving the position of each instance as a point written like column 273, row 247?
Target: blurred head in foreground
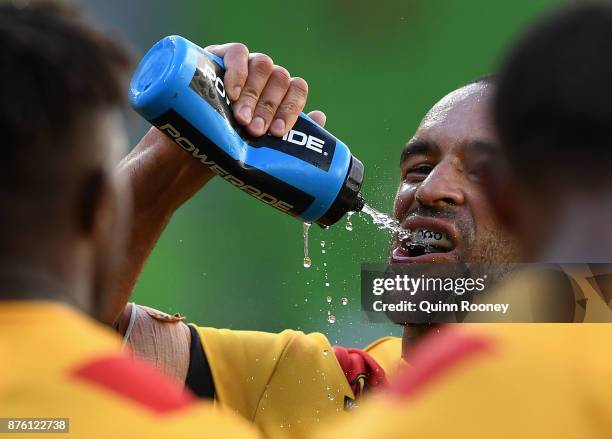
column 553, row 111
column 61, row 85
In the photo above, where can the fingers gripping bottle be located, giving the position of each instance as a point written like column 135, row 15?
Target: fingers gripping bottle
column 308, row 173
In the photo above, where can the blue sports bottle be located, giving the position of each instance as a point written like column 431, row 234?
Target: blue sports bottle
column 308, row 173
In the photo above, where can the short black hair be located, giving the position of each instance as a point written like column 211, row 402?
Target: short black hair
column 553, row 103
column 56, row 71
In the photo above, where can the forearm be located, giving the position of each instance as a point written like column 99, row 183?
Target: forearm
column 162, row 177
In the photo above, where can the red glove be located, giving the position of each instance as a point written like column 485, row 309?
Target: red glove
column 361, row 370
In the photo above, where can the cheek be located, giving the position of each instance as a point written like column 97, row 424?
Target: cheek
column 403, row 199
column 483, row 213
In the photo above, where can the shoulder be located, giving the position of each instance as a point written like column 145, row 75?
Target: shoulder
column 384, row 343
column 387, row 351
column 118, row 396
column 130, row 381
column 249, row 343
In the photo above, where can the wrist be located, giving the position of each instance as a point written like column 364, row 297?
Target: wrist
column 162, row 175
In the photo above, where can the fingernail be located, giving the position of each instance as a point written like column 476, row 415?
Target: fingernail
column 245, row 113
column 258, row 125
column 278, row 126
column 236, row 92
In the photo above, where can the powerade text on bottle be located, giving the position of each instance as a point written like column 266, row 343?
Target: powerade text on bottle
column 307, row 173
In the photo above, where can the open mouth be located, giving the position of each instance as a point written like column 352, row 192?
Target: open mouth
column 427, row 241
column 430, row 240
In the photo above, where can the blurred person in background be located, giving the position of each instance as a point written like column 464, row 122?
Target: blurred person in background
column 553, row 112
column 64, row 212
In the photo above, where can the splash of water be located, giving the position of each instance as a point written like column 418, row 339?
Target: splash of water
column 385, row 222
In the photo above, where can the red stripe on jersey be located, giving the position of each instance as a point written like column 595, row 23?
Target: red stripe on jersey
column 136, row 381
column 438, row 355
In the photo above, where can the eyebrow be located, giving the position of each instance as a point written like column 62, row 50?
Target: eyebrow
column 414, row 147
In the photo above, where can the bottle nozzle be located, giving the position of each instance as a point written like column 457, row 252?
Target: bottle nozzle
column 359, row 203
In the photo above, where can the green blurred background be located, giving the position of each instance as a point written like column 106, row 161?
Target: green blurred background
column 375, row 68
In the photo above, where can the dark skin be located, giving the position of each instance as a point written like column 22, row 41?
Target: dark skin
column 441, row 187
column 73, row 256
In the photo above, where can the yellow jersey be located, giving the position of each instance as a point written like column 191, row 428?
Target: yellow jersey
column 290, row 382
column 497, row 380
column 58, row 363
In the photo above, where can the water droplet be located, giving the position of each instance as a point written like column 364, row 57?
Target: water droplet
column 325, row 352
column 307, row 261
column 305, row 300
column 328, row 299
column 325, row 264
column 326, row 284
column 349, row 224
column 330, row 397
column 323, row 251
column 322, row 244
column 331, row 318
column 344, row 301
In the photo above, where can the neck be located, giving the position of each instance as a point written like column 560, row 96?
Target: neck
column 413, row 334
column 23, row 282
column 582, row 233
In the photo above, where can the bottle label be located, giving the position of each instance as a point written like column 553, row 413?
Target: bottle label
column 253, row 181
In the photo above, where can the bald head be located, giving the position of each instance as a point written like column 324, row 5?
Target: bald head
column 440, row 187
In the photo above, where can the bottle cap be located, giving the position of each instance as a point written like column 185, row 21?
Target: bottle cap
column 349, row 198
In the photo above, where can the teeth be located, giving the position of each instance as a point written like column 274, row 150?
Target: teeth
column 432, row 237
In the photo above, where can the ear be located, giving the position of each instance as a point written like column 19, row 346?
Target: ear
column 95, row 205
column 101, row 227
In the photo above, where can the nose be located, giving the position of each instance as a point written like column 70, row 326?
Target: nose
column 442, row 187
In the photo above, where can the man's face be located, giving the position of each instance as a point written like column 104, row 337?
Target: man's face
column 441, row 198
